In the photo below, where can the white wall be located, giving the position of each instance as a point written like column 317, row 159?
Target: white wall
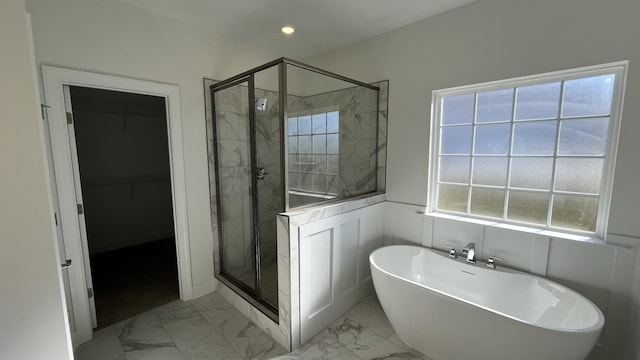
column 32, row 311
column 497, row 39
column 634, row 334
column 118, row 39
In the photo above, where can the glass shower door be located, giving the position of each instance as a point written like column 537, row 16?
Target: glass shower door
column 233, row 144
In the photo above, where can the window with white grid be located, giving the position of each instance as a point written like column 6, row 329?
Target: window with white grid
column 535, row 151
column 314, row 151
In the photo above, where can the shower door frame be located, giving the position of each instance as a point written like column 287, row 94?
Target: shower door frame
column 254, row 295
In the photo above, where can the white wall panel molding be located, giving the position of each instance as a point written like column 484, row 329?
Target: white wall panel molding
column 334, row 266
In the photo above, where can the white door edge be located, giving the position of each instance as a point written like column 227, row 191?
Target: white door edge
column 84, row 241
column 49, row 176
column 54, row 80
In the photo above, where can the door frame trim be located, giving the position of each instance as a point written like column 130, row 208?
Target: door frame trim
column 54, row 79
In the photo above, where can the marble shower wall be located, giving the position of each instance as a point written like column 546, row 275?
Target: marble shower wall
column 235, row 168
column 233, row 132
column 270, row 189
column 363, row 135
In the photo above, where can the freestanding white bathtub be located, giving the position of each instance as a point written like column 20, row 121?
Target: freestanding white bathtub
column 451, row 310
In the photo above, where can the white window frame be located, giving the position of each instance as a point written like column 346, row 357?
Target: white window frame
column 618, row 68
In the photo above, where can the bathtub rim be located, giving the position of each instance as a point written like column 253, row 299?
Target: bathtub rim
column 598, row 326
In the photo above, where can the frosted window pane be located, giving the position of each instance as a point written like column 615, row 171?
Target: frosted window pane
column 306, row 163
column 319, row 122
column 293, row 163
column 320, row 164
column 531, row 172
column 574, row 212
column 490, row 171
column 538, row 101
column 293, row 144
column 493, row 139
column 452, row 198
column 457, row 109
column 319, row 144
column 455, row 169
column 528, row 207
column 332, row 122
column 487, row 202
column 495, row 105
column 535, row 138
column 304, row 144
column 294, row 180
column 304, row 125
column 579, row 175
column 456, row 140
column 588, row 97
column 332, row 144
column 292, row 125
column 583, row 137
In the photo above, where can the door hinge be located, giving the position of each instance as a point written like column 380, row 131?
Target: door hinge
column 69, row 118
column 43, row 108
column 90, row 292
column 80, row 209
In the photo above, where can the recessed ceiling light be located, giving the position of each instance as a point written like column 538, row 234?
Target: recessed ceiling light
column 288, row 30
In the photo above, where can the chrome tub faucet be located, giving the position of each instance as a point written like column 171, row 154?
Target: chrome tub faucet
column 470, row 251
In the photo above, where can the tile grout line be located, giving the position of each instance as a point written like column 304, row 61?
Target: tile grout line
column 215, row 328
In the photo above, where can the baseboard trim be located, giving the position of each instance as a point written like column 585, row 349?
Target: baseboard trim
column 203, row 288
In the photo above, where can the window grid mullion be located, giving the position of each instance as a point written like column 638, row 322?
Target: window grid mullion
column 555, row 155
column 510, row 154
column 472, row 151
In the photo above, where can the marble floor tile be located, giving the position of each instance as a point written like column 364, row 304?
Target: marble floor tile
column 142, row 332
column 198, row 340
column 176, row 313
column 370, row 315
column 155, row 353
column 214, row 308
column 397, row 341
column 249, row 340
column 211, row 328
column 104, row 346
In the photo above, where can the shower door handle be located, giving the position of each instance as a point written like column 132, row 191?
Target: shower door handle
column 260, row 173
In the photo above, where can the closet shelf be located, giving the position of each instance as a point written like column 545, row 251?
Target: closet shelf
column 125, row 180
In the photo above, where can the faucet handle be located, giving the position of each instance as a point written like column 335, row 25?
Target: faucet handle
column 491, row 262
column 452, row 250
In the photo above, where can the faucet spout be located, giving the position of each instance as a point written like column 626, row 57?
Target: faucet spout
column 470, row 251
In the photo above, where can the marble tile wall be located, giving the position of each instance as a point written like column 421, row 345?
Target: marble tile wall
column 362, row 143
column 286, row 330
column 234, row 165
column 211, row 160
column 601, row 272
column 234, row 153
column 270, row 196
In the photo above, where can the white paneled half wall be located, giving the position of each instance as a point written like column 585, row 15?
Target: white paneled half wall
column 334, row 265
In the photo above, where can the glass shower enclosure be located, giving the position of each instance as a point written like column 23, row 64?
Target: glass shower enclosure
column 284, row 135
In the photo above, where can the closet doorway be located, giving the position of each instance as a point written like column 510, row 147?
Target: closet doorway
column 124, row 175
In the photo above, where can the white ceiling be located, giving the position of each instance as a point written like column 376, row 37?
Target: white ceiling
column 321, row 25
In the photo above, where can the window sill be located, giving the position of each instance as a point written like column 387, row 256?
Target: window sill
column 525, row 229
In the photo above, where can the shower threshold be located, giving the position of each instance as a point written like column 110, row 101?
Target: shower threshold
column 269, row 310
